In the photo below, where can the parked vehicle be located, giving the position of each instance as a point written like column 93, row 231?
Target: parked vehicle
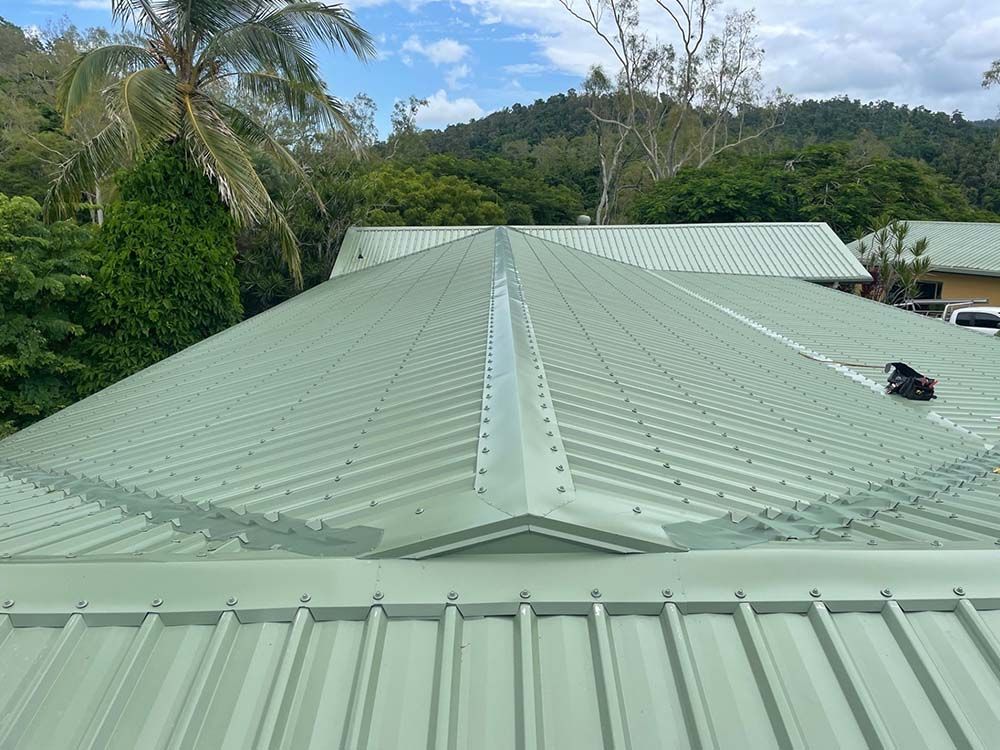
column 980, row 319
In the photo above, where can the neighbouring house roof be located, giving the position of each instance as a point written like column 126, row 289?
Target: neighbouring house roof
column 968, row 247
column 810, row 251
column 813, row 562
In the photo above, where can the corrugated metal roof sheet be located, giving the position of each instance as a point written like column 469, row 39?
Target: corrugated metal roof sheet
column 39, row 520
column 847, row 328
column 370, row 246
column 957, row 246
column 803, row 672
column 490, row 388
column 501, row 384
column 806, row 251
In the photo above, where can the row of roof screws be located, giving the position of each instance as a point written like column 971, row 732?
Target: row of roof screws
column 453, row 596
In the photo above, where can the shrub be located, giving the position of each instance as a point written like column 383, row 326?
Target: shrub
column 167, row 269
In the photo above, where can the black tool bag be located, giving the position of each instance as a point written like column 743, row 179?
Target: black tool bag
column 906, row 382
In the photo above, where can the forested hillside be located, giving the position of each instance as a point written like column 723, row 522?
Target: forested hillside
column 965, row 152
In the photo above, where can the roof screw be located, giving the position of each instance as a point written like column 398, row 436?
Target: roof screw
column 560, row 488
column 667, row 593
column 596, row 593
column 481, row 491
column 637, row 509
column 231, row 601
column 82, row 604
column 560, row 467
column 8, row 603
column 959, row 591
column 741, row 594
column 452, row 596
column 525, row 594
column 304, row 598
column 872, row 543
column 377, row 596
column 886, row 593
column 418, row 511
column 814, row 592
column 156, row 602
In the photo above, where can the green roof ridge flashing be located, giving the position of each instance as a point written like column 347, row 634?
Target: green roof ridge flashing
column 517, row 415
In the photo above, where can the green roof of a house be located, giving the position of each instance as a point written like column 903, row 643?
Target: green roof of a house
column 217, row 552
column 967, row 247
column 808, row 251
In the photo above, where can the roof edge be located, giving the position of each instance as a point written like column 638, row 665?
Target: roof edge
column 266, row 588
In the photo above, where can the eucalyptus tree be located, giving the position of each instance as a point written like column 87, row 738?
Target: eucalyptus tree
column 178, row 86
column 686, row 99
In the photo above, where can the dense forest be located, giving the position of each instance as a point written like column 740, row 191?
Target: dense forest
column 98, row 286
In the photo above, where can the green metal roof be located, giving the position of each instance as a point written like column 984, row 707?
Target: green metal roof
column 501, row 393
column 969, row 247
column 498, row 391
column 797, row 648
column 847, row 328
column 608, row 372
column 804, row 250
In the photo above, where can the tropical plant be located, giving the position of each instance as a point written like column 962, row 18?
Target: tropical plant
column 895, row 264
column 177, row 88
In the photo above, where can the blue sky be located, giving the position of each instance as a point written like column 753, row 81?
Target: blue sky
column 470, row 57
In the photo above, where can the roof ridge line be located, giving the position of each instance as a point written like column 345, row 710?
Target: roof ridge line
column 517, row 405
column 848, row 372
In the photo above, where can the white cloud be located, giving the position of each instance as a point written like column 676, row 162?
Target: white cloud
column 525, row 69
column 81, row 4
column 819, row 48
column 441, row 110
column 457, row 75
column 445, row 51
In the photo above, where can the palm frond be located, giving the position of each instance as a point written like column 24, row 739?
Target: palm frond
column 92, row 70
column 254, row 46
column 254, row 135
column 288, row 243
column 219, row 152
column 110, row 148
column 302, row 101
column 334, row 25
column 143, row 14
column 147, row 104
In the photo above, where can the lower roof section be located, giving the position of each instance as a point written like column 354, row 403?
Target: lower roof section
column 706, row 649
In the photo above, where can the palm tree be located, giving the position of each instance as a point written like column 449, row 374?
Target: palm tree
column 176, row 89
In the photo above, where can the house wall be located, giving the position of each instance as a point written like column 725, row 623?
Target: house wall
column 963, row 286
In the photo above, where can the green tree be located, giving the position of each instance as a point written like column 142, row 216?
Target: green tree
column 43, row 275
column 167, row 269
column 841, row 184
column 173, row 90
column 405, row 197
